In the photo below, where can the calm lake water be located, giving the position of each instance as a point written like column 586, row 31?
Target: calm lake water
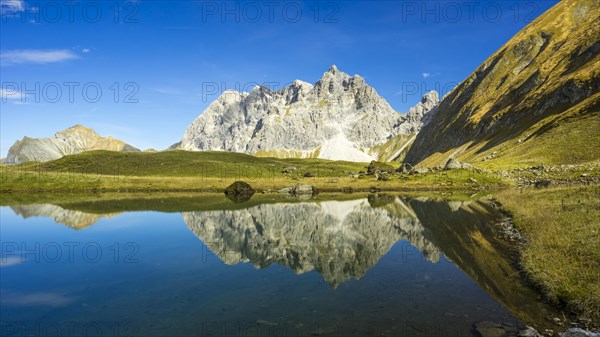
column 382, row 265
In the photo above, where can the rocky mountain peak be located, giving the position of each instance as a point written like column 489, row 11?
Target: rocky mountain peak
column 77, row 129
column 341, row 117
column 300, row 83
column 431, row 98
column 425, row 109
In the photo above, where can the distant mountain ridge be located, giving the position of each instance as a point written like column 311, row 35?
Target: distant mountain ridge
column 75, row 139
column 339, row 118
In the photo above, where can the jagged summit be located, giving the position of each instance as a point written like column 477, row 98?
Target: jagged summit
column 340, row 117
column 431, row 96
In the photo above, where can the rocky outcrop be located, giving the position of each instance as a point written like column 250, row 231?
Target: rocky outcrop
column 340, row 117
column 73, row 140
column 453, row 164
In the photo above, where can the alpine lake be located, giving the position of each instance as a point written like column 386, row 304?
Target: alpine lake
column 383, row 264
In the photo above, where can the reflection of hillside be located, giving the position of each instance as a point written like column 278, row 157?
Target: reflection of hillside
column 73, row 219
column 340, row 239
column 464, row 232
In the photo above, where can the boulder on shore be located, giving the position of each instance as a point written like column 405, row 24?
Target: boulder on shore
column 239, row 192
column 376, row 167
column 453, row 164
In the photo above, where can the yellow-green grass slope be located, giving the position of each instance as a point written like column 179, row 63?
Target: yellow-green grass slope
column 562, row 254
column 536, row 100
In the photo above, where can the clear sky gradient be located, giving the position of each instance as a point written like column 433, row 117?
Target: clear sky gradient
column 160, row 63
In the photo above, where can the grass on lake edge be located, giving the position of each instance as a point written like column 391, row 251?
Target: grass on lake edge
column 562, row 252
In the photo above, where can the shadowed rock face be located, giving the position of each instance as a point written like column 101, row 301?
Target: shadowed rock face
column 73, row 140
column 340, row 239
column 340, row 117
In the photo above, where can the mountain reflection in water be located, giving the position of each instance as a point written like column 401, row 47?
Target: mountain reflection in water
column 340, row 239
column 343, row 239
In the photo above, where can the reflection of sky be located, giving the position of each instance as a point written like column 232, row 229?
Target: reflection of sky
column 35, row 299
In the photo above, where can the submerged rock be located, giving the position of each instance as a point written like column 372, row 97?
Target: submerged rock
column 529, row 332
column 489, row 329
column 577, row 332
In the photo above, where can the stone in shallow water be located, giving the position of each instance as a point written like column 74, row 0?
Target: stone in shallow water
column 239, row 192
column 489, row 329
column 529, row 332
column 303, row 189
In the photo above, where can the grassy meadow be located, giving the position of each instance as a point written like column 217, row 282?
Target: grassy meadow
column 562, row 251
column 214, row 171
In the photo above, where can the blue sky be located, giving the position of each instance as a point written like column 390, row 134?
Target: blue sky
column 158, row 64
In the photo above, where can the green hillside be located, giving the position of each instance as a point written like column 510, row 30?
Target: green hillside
column 214, row 171
column 186, row 164
column 536, row 100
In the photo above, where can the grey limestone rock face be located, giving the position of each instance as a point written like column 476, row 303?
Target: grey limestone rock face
column 340, row 117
